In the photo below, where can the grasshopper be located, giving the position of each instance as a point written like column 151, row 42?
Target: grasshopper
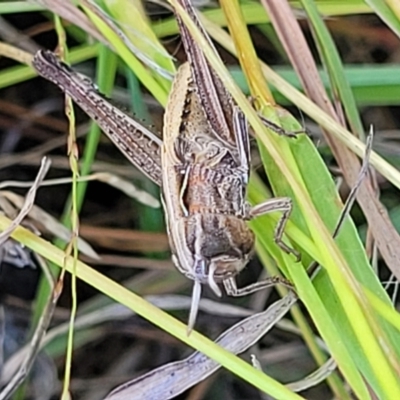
column 202, row 166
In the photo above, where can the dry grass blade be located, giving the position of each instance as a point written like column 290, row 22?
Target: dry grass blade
column 26, row 207
column 49, row 223
column 178, row 302
column 11, row 35
column 351, row 198
column 128, row 188
column 172, row 379
column 314, row 378
column 70, row 12
column 310, row 380
column 113, row 180
column 15, row 53
column 292, row 38
column 287, row 28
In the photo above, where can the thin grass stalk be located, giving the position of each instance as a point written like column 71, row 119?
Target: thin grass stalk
column 73, row 215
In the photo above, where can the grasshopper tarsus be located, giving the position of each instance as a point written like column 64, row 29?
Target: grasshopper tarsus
column 279, row 130
column 287, row 249
column 273, row 126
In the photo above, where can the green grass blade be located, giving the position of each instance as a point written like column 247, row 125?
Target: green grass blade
column 144, row 75
column 386, row 13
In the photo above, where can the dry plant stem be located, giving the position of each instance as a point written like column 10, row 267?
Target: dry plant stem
column 15, row 53
column 67, row 10
column 12, row 35
column 351, row 198
column 291, row 36
column 113, row 180
column 29, row 200
column 315, row 377
column 44, row 221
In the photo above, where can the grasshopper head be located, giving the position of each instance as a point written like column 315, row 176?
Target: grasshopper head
column 209, row 250
column 211, row 272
